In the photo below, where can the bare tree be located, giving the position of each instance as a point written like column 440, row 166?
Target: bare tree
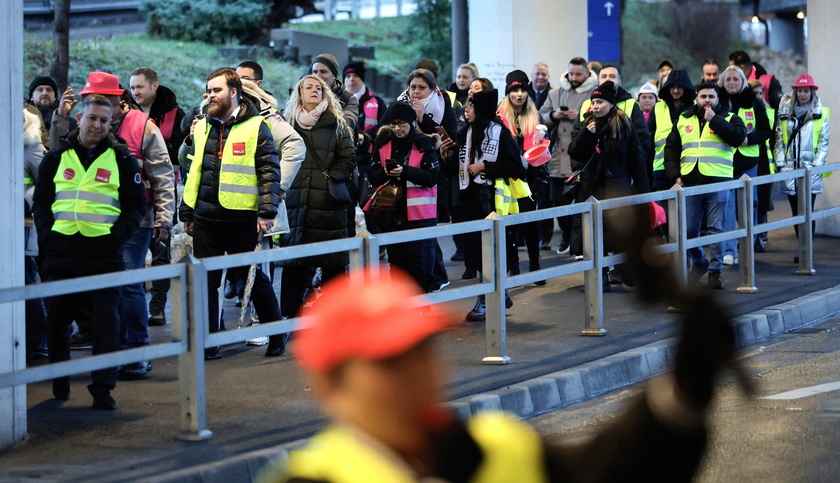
column 61, row 45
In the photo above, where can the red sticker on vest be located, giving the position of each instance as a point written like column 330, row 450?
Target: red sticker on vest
column 749, row 126
column 239, row 149
column 688, row 129
column 69, row 174
column 711, row 132
column 103, row 175
column 749, row 115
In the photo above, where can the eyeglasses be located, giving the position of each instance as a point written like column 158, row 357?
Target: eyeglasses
column 398, row 124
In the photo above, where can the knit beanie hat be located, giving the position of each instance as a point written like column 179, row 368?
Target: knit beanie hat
column 330, row 61
column 485, row 102
column 401, row 111
column 357, row 68
column 42, row 81
column 605, row 91
column 516, row 79
column 427, row 64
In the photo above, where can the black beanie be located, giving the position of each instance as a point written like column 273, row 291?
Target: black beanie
column 328, row 60
column 485, row 102
column 427, row 64
column 357, row 68
column 402, row 111
column 42, row 81
column 516, row 79
column 605, row 91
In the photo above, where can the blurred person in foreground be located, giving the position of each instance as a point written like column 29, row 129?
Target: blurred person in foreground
column 380, row 379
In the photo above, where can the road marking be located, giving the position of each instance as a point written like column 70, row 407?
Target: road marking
column 806, row 391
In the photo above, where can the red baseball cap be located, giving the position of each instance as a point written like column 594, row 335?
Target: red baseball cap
column 369, row 316
column 805, row 81
column 102, row 83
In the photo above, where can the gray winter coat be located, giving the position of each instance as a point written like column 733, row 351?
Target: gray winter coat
column 800, row 152
column 560, row 131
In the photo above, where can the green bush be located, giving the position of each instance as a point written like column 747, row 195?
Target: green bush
column 214, row 21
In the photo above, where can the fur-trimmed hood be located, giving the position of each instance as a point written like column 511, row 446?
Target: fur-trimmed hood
column 31, row 129
column 587, row 85
column 262, row 99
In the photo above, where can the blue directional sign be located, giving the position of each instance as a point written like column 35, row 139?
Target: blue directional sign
column 604, row 30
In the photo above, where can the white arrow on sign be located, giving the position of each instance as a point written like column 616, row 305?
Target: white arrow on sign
column 609, row 6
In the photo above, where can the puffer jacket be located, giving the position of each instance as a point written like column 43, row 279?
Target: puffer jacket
column 560, row 130
column 800, row 151
column 33, row 152
column 207, row 207
column 313, row 217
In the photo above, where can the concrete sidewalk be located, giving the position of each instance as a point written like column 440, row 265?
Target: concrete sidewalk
column 257, row 405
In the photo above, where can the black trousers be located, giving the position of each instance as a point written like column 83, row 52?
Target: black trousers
column 231, row 238
column 103, row 307
column 160, row 256
column 294, row 282
column 794, row 210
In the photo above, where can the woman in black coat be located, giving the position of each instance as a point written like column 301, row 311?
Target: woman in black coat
column 605, row 149
column 405, row 156
column 315, row 113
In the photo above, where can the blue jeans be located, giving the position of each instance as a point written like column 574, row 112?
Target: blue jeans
column 709, row 207
column 134, row 314
column 730, row 247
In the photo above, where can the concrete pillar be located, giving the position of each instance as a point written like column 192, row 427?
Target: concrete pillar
column 507, row 35
column 460, row 35
column 823, row 19
column 12, row 336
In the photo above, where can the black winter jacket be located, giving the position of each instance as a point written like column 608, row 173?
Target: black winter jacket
column 63, row 253
column 747, row 99
column 165, row 101
column 313, row 217
column 732, row 133
column 426, row 175
column 617, row 166
column 207, row 208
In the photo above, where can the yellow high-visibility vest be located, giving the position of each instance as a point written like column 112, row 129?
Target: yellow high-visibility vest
column 87, row 201
column 748, row 116
column 238, row 173
column 704, row 148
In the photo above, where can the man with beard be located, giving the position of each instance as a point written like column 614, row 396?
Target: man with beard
column 146, row 143
column 232, row 192
column 160, row 104
column 42, row 96
column 700, row 150
column 559, row 112
column 88, row 201
column 325, row 66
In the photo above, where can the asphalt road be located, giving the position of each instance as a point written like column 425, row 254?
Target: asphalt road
column 755, row 439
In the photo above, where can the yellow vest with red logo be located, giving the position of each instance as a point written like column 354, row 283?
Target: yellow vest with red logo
column 87, row 201
column 704, row 149
column 748, row 115
column 237, row 174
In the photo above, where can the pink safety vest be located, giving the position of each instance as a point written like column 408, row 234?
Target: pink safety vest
column 421, row 201
column 371, row 109
column 132, row 129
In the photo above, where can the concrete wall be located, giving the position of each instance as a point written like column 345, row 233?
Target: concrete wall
column 823, row 19
column 507, row 35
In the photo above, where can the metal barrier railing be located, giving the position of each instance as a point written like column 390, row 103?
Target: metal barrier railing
column 189, row 291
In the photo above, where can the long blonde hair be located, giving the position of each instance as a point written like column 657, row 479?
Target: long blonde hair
column 294, row 104
column 529, row 118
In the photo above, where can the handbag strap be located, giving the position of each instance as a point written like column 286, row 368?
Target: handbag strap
column 315, row 156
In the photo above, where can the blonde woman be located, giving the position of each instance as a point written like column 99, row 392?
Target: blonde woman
column 315, row 113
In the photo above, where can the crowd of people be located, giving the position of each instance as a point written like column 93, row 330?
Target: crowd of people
column 102, row 187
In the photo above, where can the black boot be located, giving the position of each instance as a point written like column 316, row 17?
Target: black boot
column 61, row 388
column 508, row 300
column 101, row 397
column 533, row 267
column 276, row 345
column 479, row 311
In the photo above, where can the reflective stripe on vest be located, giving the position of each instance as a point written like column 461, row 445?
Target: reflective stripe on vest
column 748, row 115
column 371, row 110
column 504, row 202
column 86, row 201
column 511, row 451
column 626, row 105
column 132, row 130
column 237, row 174
column 421, row 201
column 704, row 148
column 663, row 128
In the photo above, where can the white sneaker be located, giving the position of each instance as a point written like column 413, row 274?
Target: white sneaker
column 257, row 341
column 729, row 260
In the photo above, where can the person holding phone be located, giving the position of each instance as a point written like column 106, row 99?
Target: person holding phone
column 402, row 154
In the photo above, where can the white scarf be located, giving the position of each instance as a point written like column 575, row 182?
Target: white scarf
column 489, row 154
column 308, row 119
column 359, row 94
column 435, row 104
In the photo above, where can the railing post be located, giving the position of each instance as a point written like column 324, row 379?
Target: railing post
column 495, row 324
column 370, row 251
column 592, row 229
column 191, row 377
column 806, row 230
column 746, row 253
column 677, row 225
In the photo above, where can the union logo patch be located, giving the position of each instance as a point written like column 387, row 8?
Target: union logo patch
column 239, row 149
column 69, row 174
column 688, row 129
column 103, row 175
